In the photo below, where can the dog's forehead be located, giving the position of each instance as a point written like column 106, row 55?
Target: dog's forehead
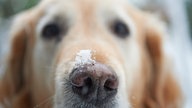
column 46, row 2
column 85, row 5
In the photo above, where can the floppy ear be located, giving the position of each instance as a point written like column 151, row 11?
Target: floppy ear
column 163, row 90
column 14, row 85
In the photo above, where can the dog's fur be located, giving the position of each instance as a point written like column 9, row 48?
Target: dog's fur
column 37, row 69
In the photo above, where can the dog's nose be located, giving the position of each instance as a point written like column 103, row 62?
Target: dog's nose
column 94, row 82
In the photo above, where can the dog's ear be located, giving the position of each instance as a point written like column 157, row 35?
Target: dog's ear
column 14, row 84
column 163, row 91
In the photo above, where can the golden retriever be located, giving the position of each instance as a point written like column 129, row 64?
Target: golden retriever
column 88, row 54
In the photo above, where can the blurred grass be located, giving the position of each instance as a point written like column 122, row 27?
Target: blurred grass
column 11, row 7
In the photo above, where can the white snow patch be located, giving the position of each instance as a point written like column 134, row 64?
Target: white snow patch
column 84, row 57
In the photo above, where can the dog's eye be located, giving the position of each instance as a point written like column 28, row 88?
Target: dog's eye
column 51, row 30
column 120, row 29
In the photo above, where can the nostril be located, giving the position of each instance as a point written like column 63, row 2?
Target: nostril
column 78, row 81
column 87, row 85
column 88, row 82
column 111, row 84
column 81, row 84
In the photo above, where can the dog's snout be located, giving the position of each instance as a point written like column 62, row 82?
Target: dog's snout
column 94, row 82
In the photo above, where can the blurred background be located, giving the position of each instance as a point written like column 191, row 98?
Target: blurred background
column 176, row 13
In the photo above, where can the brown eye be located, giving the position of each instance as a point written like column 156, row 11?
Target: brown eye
column 51, row 30
column 120, row 29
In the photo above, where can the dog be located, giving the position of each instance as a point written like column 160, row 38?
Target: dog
column 88, row 54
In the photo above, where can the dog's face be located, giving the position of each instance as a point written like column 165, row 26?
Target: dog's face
column 88, row 40
column 92, row 54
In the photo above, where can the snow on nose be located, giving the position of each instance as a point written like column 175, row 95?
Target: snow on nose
column 84, row 57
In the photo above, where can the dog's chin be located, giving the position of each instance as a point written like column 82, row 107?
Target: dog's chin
column 85, row 105
column 71, row 100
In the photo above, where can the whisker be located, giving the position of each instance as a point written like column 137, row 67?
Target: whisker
column 44, row 102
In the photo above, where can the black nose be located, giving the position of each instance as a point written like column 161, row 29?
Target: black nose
column 94, row 83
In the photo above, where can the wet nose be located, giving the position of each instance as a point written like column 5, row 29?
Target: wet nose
column 94, row 82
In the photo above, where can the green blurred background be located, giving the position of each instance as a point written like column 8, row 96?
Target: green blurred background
column 189, row 12
column 11, row 7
